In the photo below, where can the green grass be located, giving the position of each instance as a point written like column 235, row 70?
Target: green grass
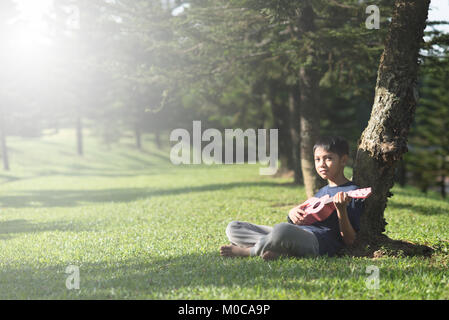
column 139, row 227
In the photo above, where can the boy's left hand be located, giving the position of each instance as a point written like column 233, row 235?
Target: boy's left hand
column 341, row 200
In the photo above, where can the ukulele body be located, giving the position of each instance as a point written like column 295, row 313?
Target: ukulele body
column 319, row 209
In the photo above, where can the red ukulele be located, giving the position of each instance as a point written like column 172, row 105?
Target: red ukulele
column 319, row 209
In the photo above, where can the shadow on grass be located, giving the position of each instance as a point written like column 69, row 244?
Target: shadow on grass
column 165, row 158
column 107, row 173
column 71, row 198
column 415, row 193
column 185, row 276
column 417, row 208
column 158, row 278
column 10, row 228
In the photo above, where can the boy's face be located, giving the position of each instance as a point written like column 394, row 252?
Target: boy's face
column 328, row 164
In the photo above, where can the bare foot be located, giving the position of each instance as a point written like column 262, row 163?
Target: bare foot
column 234, row 251
column 270, row 255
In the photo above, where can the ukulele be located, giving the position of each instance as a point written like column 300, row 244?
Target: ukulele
column 319, row 209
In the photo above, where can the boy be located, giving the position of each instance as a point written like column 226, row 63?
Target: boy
column 294, row 238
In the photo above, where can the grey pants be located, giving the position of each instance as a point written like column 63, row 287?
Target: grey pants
column 283, row 238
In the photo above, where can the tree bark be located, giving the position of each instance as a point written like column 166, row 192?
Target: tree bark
column 309, row 113
column 384, row 140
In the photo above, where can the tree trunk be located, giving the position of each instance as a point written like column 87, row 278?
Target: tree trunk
column 79, row 135
column 384, row 140
column 401, row 173
column 443, row 186
column 3, row 141
column 157, row 138
column 138, row 136
column 293, row 104
column 443, row 177
column 309, row 112
column 281, row 117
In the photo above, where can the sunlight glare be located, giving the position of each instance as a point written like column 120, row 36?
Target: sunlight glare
column 28, row 38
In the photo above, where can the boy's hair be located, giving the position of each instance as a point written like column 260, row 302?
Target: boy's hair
column 335, row 144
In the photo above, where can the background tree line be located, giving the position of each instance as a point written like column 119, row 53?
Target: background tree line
column 307, row 68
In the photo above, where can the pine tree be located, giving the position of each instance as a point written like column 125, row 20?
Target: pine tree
column 428, row 159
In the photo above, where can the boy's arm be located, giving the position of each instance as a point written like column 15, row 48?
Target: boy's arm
column 347, row 232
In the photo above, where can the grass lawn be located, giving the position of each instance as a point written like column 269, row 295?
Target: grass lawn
column 139, row 227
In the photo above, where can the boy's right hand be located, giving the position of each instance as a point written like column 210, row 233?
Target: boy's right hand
column 296, row 215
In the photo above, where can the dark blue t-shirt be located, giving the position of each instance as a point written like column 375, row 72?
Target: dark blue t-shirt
column 328, row 231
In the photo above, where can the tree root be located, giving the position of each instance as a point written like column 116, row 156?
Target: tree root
column 383, row 246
